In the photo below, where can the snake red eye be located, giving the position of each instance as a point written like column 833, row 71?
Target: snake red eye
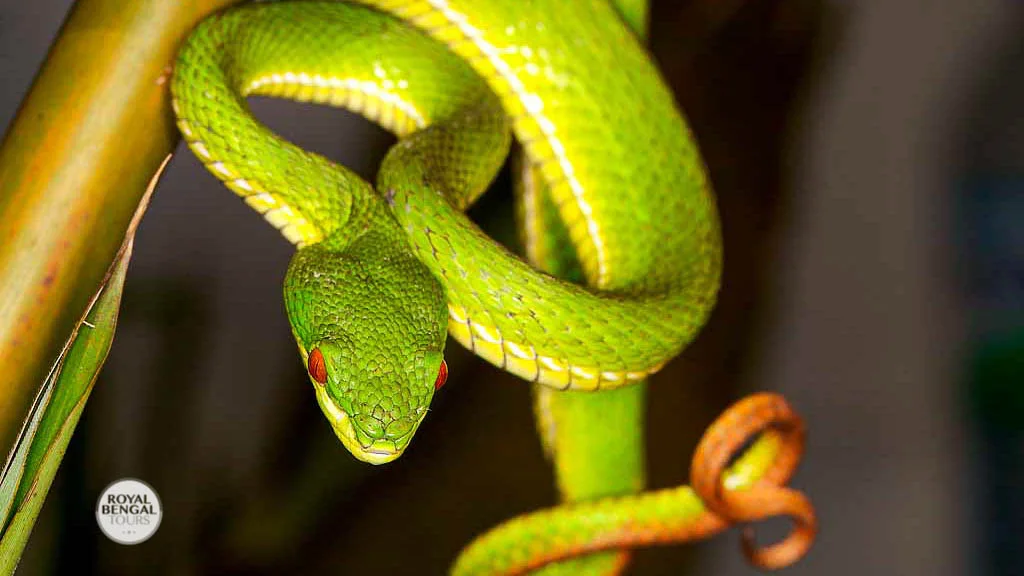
column 442, row 375
column 316, row 366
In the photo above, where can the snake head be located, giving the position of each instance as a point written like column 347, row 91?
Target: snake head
column 371, row 331
column 374, row 422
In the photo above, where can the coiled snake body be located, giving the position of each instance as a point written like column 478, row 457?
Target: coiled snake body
column 381, row 274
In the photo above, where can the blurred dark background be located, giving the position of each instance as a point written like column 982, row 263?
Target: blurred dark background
column 869, row 162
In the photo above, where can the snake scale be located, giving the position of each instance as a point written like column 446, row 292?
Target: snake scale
column 612, row 191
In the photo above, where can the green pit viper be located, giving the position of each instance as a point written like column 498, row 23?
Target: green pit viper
column 612, row 192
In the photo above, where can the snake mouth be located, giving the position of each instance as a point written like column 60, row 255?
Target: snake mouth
column 379, row 452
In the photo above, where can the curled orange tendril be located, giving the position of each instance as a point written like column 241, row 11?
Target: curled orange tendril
column 757, row 414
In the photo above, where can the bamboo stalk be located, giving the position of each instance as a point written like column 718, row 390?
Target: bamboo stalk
column 74, row 163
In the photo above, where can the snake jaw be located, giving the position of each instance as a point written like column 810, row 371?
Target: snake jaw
column 378, row 452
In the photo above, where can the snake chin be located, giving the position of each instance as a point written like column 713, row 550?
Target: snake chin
column 379, row 452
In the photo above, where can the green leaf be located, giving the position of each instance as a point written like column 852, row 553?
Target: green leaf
column 41, row 446
column 47, row 430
